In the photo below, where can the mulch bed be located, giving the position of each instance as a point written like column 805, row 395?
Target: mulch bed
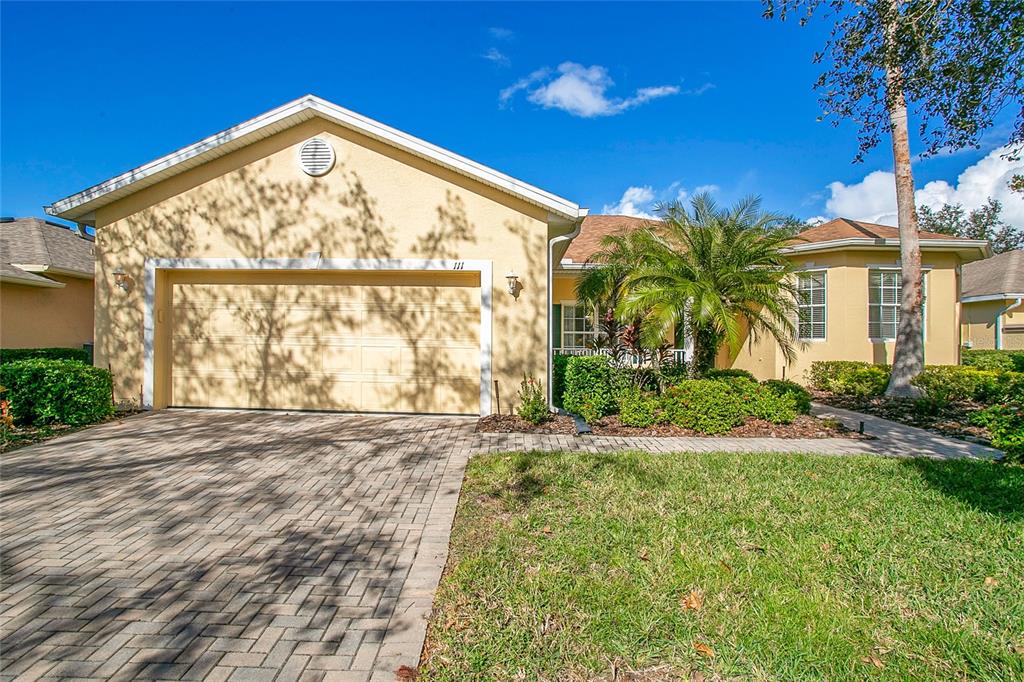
column 952, row 421
column 802, row 427
column 507, row 423
column 17, row 437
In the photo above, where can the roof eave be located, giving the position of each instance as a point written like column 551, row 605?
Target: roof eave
column 960, row 245
column 982, row 298
column 77, row 206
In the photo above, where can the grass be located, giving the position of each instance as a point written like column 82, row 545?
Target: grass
column 575, row 566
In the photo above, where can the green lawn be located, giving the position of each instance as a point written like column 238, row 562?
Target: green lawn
column 573, row 566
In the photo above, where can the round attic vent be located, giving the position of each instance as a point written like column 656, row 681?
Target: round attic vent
column 316, row 157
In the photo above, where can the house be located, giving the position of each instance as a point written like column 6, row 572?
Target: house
column 312, row 258
column 46, row 285
column 992, row 306
column 850, row 273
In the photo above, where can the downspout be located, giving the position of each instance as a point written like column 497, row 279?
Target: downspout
column 999, row 321
column 550, row 303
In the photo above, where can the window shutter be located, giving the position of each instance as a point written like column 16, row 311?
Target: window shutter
column 556, row 326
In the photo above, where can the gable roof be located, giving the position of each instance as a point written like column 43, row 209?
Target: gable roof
column 33, row 246
column 81, row 206
column 1001, row 276
column 837, row 233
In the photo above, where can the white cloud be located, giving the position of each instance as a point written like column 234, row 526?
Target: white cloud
column 497, row 56
column 873, row 199
column 499, row 33
column 816, row 220
column 640, row 200
column 581, row 91
column 700, row 89
column 635, row 201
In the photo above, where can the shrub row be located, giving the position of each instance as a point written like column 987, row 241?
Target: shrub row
column 16, row 354
column 714, row 404
column 942, row 384
column 994, row 360
column 43, row 391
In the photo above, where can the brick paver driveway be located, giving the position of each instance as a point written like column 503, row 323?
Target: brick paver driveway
column 216, row 545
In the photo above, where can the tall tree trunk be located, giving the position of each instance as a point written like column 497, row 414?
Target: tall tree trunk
column 908, row 356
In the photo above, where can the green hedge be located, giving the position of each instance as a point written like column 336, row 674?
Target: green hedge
column 800, row 395
column 847, row 377
column 69, row 392
column 994, row 360
column 588, row 387
column 637, row 408
column 17, row 354
column 728, row 374
column 704, row 405
column 558, row 365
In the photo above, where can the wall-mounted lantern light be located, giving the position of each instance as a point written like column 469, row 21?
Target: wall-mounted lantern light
column 513, row 282
column 121, row 279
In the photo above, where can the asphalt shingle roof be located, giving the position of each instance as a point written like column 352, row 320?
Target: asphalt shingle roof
column 1000, row 274
column 33, row 241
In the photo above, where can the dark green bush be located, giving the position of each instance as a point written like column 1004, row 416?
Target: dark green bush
column 704, row 405
column 673, row 372
column 637, row 408
column 558, row 365
column 533, row 406
column 64, row 391
column 847, row 377
column 588, row 387
column 18, row 354
column 1006, row 425
column 800, row 395
column 729, row 374
column 944, row 384
column 994, row 360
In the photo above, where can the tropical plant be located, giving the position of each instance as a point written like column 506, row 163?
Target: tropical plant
column 716, row 271
column 533, row 406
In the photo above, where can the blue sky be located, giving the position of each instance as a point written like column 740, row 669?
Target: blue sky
column 598, row 98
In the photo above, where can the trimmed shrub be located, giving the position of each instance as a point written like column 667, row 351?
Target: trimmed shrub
column 994, row 360
column 588, row 387
column 558, row 365
column 847, row 377
column 800, row 395
column 729, row 374
column 17, row 354
column 1006, row 425
column 637, row 408
column 773, row 407
column 533, row 406
column 672, row 373
column 944, row 384
column 66, row 391
column 704, row 405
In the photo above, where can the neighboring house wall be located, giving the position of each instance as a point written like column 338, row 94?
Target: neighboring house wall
column 979, row 325
column 377, row 202
column 38, row 317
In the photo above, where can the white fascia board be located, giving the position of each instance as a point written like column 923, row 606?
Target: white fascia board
column 991, row 297
column 31, row 280
column 865, row 242
column 49, row 269
column 74, row 206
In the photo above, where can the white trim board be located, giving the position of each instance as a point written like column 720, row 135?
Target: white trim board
column 315, row 264
column 981, row 298
column 81, row 205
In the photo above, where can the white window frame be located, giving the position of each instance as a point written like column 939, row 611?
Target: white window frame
column 823, row 305
column 564, row 332
column 899, row 303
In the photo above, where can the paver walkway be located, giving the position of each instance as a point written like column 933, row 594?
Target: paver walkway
column 255, row 546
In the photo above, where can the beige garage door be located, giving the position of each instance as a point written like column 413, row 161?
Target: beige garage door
column 406, row 342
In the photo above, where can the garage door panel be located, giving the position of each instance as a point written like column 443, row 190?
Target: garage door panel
column 389, row 348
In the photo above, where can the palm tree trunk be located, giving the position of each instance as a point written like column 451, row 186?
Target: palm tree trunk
column 908, row 356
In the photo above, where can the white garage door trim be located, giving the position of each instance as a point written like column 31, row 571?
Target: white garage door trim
column 484, row 267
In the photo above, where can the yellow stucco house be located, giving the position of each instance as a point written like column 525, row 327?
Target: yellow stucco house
column 312, row 258
column 46, row 295
column 993, row 302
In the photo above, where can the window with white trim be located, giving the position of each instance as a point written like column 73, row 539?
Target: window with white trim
column 577, row 326
column 884, row 292
column 811, row 305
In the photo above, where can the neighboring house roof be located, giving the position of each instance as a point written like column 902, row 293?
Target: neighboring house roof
column 996, row 278
column 80, row 207
column 32, row 247
column 837, row 233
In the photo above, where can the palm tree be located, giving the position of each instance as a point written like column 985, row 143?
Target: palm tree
column 717, row 271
